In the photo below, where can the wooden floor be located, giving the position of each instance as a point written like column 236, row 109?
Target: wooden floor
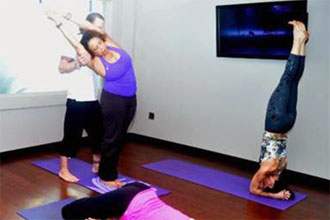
column 25, row 186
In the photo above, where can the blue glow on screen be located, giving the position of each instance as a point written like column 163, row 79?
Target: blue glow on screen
column 252, row 33
column 258, row 30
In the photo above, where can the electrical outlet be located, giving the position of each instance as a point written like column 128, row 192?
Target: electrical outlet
column 151, row 115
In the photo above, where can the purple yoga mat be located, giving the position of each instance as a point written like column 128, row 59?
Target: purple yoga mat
column 218, row 180
column 48, row 211
column 88, row 179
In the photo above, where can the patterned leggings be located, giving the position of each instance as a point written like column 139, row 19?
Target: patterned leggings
column 282, row 106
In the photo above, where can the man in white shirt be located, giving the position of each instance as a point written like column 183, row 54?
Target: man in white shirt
column 83, row 110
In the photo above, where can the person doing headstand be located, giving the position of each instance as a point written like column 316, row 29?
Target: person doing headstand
column 280, row 118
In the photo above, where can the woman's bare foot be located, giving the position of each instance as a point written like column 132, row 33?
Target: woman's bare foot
column 67, row 176
column 119, row 183
column 95, row 168
column 300, row 34
column 96, row 163
column 113, row 184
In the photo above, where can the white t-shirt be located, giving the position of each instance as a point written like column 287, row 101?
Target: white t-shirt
column 82, row 83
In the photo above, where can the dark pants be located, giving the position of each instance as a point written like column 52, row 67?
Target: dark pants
column 79, row 116
column 111, row 204
column 281, row 110
column 118, row 112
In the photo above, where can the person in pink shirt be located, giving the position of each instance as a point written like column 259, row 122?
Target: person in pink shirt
column 134, row 201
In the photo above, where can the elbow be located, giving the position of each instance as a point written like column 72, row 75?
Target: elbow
column 61, row 70
column 80, row 49
column 253, row 191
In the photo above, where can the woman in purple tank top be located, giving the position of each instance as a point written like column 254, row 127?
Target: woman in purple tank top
column 102, row 54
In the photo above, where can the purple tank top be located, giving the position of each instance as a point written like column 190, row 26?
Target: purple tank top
column 119, row 76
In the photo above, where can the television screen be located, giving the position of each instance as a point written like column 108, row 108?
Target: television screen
column 258, row 30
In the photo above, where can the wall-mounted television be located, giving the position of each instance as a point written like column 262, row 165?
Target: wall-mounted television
column 258, row 30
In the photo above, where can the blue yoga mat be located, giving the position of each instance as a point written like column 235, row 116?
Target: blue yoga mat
column 51, row 211
column 88, row 179
column 218, row 180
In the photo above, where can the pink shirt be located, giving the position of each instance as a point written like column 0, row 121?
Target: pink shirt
column 147, row 206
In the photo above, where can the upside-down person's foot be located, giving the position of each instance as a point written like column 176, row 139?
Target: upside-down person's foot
column 67, row 176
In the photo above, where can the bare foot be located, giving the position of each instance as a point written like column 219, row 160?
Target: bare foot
column 95, row 167
column 67, row 176
column 96, row 163
column 300, row 33
column 119, row 183
column 113, row 184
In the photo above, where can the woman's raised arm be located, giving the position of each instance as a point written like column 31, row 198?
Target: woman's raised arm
column 88, row 26
column 79, row 48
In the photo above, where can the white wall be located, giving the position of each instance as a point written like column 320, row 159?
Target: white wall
column 219, row 104
column 31, row 119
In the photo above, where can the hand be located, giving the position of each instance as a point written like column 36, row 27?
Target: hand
column 53, row 16
column 284, row 194
column 83, row 58
column 67, row 16
column 300, row 33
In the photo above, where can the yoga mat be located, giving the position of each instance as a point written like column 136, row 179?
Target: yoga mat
column 218, row 180
column 88, row 179
column 49, row 211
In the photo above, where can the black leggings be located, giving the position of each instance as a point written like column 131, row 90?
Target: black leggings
column 281, row 110
column 103, row 206
column 81, row 115
column 118, row 112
